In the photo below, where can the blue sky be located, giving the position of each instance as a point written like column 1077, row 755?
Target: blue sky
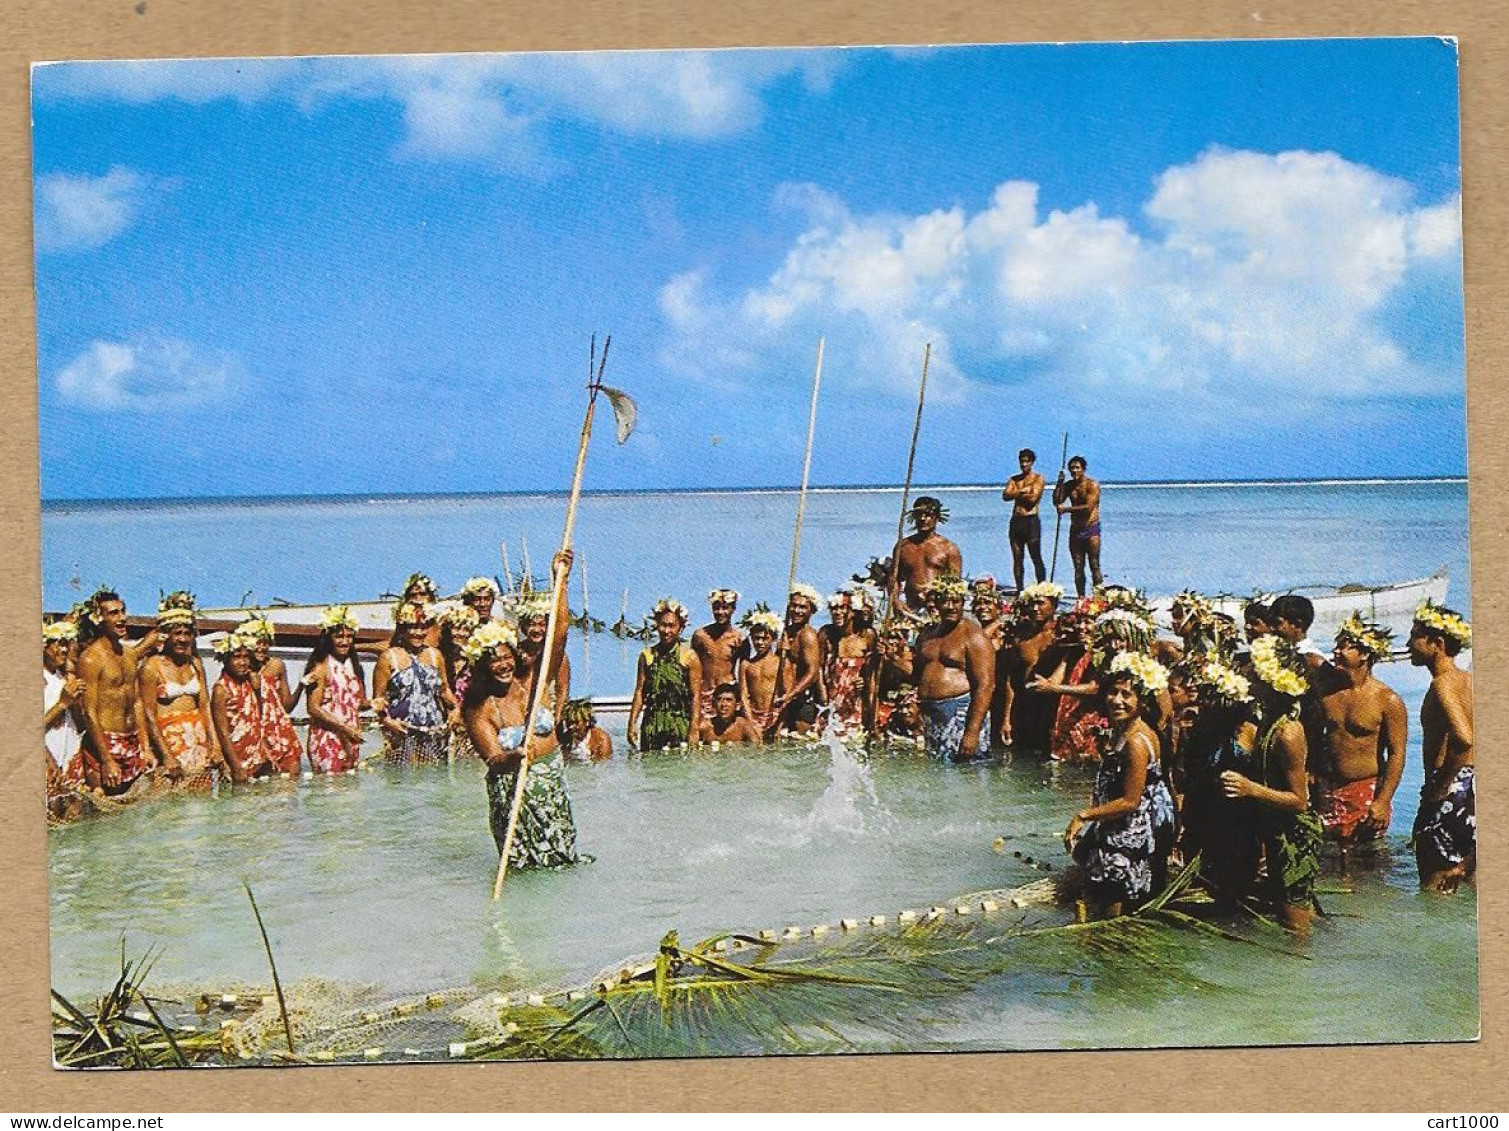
column 1203, row 260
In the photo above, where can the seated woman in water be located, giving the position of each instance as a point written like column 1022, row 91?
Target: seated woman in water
column 280, row 742
column 1123, row 839
column 337, row 694
column 580, row 736
column 496, row 709
column 176, row 698
column 236, row 708
column 411, row 698
column 726, row 724
column 668, row 685
column 1275, row 794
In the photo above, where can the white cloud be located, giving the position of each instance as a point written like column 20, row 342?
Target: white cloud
column 492, row 108
column 1248, row 271
column 143, row 375
column 80, row 212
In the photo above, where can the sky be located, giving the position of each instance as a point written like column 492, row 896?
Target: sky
column 383, row 274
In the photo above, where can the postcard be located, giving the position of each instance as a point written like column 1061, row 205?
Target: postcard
column 620, row 555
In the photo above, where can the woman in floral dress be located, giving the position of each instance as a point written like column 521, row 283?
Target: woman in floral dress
column 236, row 707
column 413, row 700
column 280, row 741
column 1123, row 839
column 337, row 694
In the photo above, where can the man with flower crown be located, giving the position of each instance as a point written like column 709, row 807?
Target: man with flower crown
column 1446, row 827
column 955, row 674
column 799, row 663
column 921, row 556
column 1363, row 724
column 114, row 722
column 719, row 647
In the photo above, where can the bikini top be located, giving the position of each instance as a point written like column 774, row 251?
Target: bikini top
column 170, row 690
column 511, row 738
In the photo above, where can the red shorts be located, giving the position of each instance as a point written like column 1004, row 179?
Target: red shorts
column 1346, row 807
column 130, row 755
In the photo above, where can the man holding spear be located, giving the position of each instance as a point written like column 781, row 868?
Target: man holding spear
column 921, row 557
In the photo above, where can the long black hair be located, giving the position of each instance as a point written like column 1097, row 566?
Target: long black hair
column 484, row 685
column 323, row 649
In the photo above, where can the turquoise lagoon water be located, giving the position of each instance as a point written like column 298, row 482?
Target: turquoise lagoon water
column 383, row 879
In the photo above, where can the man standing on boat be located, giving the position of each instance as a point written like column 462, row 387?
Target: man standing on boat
column 719, row 647
column 1363, row 727
column 920, row 557
column 1024, row 491
column 114, row 720
column 1446, row 829
column 955, row 675
column 1079, row 498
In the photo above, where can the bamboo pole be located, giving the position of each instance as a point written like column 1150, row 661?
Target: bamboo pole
column 507, row 573
column 911, row 458
column 542, row 669
column 586, row 625
column 1058, row 523
column 526, row 582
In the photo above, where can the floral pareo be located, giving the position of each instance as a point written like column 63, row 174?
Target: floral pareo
column 846, row 689
column 280, row 742
column 1446, row 831
column 1077, row 723
column 343, row 699
column 243, row 715
column 1122, row 856
column 546, row 833
column 413, row 695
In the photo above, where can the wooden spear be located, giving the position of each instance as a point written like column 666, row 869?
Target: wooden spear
column 1063, row 465
column 911, row 457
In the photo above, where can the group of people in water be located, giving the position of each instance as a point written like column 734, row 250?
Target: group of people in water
column 1238, row 747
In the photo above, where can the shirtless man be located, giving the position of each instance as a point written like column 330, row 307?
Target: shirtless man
column 955, row 675
column 985, row 606
column 920, row 557
column 1030, row 714
column 719, row 646
column 479, row 594
column 1363, row 729
column 757, row 672
column 725, row 724
column 1446, row 828
column 799, row 657
column 114, row 720
column 1079, row 498
column 1024, row 491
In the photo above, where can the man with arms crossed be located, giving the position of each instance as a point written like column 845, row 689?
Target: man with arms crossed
column 1024, row 491
column 955, row 675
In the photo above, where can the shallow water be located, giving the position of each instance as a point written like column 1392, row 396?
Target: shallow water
column 384, row 879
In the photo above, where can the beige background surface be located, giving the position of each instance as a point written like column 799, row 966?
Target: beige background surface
column 1462, row 1078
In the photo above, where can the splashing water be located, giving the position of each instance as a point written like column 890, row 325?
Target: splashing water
column 838, row 809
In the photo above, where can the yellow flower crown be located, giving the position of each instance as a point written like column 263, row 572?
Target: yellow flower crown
column 423, row 581
column 1148, row 673
column 528, row 605
column 1222, row 684
column 60, row 631
column 406, row 613
column 237, row 641
column 1372, row 638
column 1276, row 663
column 670, row 605
column 762, row 618
column 478, row 585
column 1441, row 619
column 1043, row 590
column 338, row 616
column 1194, row 604
column 948, row 585
column 460, row 615
column 257, row 625
column 729, row 595
column 489, row 638
column 175, row 609
column 1123, row 597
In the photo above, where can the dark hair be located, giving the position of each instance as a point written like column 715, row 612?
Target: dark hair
column 483, row 685
column 1294, row 609
column 1449, row 642
column 725, row 689
column 323, row 650
column 1256, row 610
column 1079, row 460
column 1027, row 452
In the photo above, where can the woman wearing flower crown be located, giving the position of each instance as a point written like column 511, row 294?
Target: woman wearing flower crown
column 280, row 741
column 69, row 768
column 1123, row 839
column 175, row 695
column 667, row 686
column 532, row 610
column 1221, row 735
column 236, row 707
column 496, row 710
column 457, row 624
column 1275, row 795
column 337, row 694
column 848, row 651
column 412, row 700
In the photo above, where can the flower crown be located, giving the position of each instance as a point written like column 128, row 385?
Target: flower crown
column 458, row 614
column 1374, row 639
column 1123, row 630
column 762, row 618
column 338, row 616
column 1194, row 604
column 731, row 596
column 1148, row 673
column 475, row 586
column 422, row 580
column 257, row 625
column 237, row 641
column 948, row 585
column 1276, row 663
column 927, row 505
column 175, row 609
column 813, row 598
column 862, row 598
column 1438, row 618
column 1043, row 590
column 842, row 597
column 60, row 631
column 578, row 711
column 1221, row 684
column 407, row 612
column 530, row 604
column 1123, row 597
column 489, row 638
column 670, row 605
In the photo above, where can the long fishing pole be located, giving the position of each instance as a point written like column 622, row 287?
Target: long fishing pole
column 1063, row 465
column 507, row 573
column 801, row 509
column 911, row 457
column 542, row 669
